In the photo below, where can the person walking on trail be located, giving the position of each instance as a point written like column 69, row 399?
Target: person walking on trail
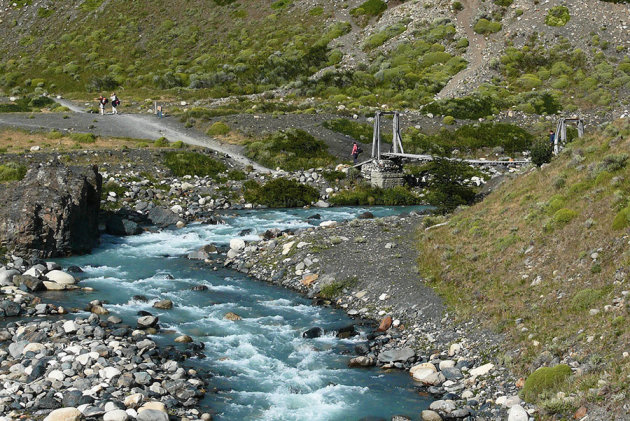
column 115, row 103
column 159, row 111
column 552, row 137
column 355, row 152
column 102, row 100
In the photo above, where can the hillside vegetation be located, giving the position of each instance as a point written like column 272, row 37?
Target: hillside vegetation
column 545, row 260
column 537, row 58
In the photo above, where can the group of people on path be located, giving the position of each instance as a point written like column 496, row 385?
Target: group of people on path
column 103, row 100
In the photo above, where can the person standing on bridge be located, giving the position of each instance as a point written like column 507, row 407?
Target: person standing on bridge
column 355, row 151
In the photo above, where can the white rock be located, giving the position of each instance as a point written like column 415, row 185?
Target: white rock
column 109, row 372
column 64, row 414
column 116, row 415
column 446, row 406
column 517, row 413
column 286, row 248
column 447, row 364
column 302, row 244
column 54, row 286
column 60, row 277
column 35, row 347
column 83, row 359
column 482, row 370
column 322, row 204
column 383, row 297
column 454, row 349
column 70, row 326
column 237, row 244
column 328, row 224
column 56, row 375
column 177, row 209
column 133, row 401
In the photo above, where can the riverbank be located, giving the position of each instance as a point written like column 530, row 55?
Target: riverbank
column 366, row 267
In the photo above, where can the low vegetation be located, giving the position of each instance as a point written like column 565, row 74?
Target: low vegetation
column 292, row 149
column 280, row 193
column 365, row 195
column 548, row 294
column 12, row 172
column 193, row 163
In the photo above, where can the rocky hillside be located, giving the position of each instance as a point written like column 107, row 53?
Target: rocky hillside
column 500, row 55
column 544, row 259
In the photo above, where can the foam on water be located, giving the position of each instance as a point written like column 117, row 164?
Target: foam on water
column 263, row 367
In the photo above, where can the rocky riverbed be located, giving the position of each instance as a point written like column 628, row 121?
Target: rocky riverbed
column 365, row 266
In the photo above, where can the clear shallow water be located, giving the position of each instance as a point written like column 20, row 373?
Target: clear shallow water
column 263, row 368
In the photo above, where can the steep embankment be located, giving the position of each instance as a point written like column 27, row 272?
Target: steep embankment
column 544, row 259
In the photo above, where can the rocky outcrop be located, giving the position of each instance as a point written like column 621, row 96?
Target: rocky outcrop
column 52, row 212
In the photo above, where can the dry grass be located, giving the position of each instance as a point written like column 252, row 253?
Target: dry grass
column 515, row 256
column 18, row 141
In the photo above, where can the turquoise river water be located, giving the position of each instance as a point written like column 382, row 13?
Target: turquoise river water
column 263, row 368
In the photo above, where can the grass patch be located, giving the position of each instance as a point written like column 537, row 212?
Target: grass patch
column 335, row 288
column 280, row 193
column 193, row 163
column 365, row 195
column 369, row 8
column 83, row 138
column 290, row 150
column 219, row 129
column 12, row 172
column 558, row 16
column 544, row 381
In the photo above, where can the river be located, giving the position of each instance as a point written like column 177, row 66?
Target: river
column 263, row 368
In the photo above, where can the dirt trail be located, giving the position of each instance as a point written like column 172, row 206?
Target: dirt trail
column 124, row 125
column 474, row 53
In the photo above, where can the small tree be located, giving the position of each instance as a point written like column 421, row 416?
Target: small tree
column 541, row 152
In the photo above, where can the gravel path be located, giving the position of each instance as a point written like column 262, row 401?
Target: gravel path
column 123, row 125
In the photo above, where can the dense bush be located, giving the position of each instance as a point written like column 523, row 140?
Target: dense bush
column 448, row 186
column 585, row 299
column 12, row 172
column 219, row 128
column 192, row 163
column 290, row 150
column 380, row 37
column 469, row 137
column 162, row 142
column 83, row 137
column 558, row 16
column 544, row 381
column 541, row 152
column 370, row 8
column 280, row 193
column 484, row 26
column 469, row 107
column 365, row 195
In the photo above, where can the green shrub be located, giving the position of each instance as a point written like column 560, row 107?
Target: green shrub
column 290, row 150
column 178, row 144
column 557, row 16
column 218, row 128
column 544, row 381
column 448, row 120
column 162, row 142
column 19, row 106
column 236, row 175
column 541, row 152
column 365, row 195
column 447, row 185
column 369, row 8
column 484, row 26
column 380, row 37
column 54, row 134
column 469, row 107
column 12, row 172
column 333, row 176
column 585, row 299
column 456, row 6
column 83, row 138
column 192, row 163
column 622, row 219
column 91, row 5
column 333, row 289
column 503, row 3
column 563, row 216
column 280, row 193
column 361, row 132
column 40, row 102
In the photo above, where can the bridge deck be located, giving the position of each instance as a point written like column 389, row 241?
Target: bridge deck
column 468, row 161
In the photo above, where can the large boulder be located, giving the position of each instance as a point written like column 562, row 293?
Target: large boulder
column 117, row 225
column 52, row 212
column 162, row 217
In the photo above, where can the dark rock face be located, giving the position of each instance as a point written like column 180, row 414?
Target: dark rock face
column 314, row 332
column 52, row 212
column 162, row 217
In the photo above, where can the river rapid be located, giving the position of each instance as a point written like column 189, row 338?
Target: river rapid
column 262, row 367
